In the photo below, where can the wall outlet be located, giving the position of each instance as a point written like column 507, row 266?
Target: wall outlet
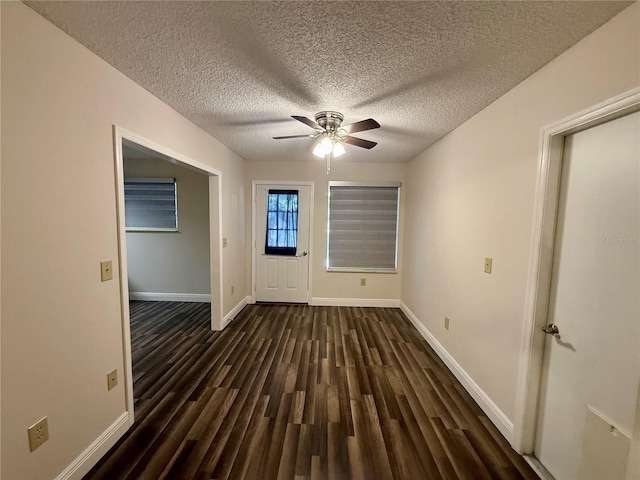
column 112, row 379
column 363, row 282
column 488, row 262
column 446, row 323
column 38, row 433
column 106, row 270
column 224, row 242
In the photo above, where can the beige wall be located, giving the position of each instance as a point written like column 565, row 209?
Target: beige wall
column 172, row 262
column 238, row 234
column 470, row 196
column 334, row 284
column 61, row 327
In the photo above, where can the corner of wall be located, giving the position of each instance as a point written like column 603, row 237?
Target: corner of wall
column 229, row 317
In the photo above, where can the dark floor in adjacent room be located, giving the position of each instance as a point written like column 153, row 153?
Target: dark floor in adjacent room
column 297, row 392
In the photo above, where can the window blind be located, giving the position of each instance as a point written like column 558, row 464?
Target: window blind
column 363, row 227
column 151, row 204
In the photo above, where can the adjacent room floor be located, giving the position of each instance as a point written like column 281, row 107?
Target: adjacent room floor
column 295, row 392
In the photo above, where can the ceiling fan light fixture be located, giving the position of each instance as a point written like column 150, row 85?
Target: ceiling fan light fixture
column 338, row 149
column 329, row 125
column 323, row 148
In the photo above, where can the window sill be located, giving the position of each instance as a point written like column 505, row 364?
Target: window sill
column 362, row 270
column 152, row 230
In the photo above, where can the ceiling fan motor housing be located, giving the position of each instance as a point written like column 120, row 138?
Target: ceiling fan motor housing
column 329, row 120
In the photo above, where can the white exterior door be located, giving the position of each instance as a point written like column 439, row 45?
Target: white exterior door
column 282, row 243
column 589, row 391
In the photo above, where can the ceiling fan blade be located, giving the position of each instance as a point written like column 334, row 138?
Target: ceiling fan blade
column 308, row 122
column 359, row 142
column 361, row 126
column 295, row 136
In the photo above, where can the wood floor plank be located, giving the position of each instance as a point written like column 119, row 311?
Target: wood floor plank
column 298, row 392
column 417, row 442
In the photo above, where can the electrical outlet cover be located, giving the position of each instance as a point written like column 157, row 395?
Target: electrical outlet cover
column 38, row 433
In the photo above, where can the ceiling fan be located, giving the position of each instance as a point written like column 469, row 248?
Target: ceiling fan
column 328, row 125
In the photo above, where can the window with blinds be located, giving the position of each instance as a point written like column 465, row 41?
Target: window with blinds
column 363, row 227
column 151, row 204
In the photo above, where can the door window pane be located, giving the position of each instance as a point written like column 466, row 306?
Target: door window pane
column 282, row 222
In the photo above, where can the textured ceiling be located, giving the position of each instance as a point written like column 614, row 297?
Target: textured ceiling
column 239, row 70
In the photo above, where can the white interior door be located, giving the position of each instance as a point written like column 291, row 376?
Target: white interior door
column 282, row 243
column 589, row 391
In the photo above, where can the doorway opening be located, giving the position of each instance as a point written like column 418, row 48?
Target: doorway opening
column 137, row 155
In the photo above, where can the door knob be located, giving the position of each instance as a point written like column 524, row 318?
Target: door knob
column 303, row 254
column 551, row 329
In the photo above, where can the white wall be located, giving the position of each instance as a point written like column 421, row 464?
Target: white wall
column 172, row 262
column 335, row 285
column 470, row 196
column 61, row 327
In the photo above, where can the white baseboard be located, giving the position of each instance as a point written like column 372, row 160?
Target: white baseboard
column 235, row 311
column 355, row 302
column 94, row 452
column 170, row 297
column 538, row 468
column 497, row 417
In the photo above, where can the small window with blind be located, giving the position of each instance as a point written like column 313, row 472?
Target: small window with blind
column 282, row 222
column 151, row 204
column 363, row 227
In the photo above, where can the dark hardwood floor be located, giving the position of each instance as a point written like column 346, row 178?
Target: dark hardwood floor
column 297, row 392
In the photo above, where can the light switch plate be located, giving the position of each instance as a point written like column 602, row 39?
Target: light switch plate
column 488, row 262
column 225, row 242
column 106, row 270
column 446, row 323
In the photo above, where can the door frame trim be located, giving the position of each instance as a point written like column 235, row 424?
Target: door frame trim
column 215, row 244
column 541, row 256
column 254, row 226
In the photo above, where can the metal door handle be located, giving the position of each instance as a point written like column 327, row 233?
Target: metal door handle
column 303, row 254
column 551, row 329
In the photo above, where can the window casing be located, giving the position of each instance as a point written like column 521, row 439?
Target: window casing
column 151, row 204
column 362, row 232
